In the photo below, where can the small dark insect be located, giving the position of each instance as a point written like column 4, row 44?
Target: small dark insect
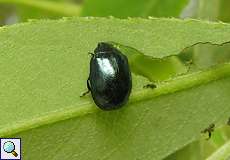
column 110, row 80
column 152, row 86
column 209, row 130
column 228, row 123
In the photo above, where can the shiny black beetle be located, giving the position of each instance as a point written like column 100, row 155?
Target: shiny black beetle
column 110, row 80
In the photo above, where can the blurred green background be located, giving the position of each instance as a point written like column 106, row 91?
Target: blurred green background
column 16, row 11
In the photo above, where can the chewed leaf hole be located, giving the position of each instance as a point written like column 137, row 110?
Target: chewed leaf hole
column 206, row 55
column 194, row 58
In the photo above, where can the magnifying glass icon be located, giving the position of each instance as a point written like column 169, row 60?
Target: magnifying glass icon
column 9, row 147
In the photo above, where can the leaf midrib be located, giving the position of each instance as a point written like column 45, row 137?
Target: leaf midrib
column 174, row 85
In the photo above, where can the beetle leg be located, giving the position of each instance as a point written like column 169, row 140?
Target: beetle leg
column 85, row 93
column 209, row 135
column 91, row 54
column 89, row 89
column 88, row 85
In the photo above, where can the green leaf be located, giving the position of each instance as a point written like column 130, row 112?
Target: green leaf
column 221, row 154
column 170, row 66
column 44, row 68
column 189, row 152
column 212, row 10
column 121, row 8
column 217, row 147
column 224, row 14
